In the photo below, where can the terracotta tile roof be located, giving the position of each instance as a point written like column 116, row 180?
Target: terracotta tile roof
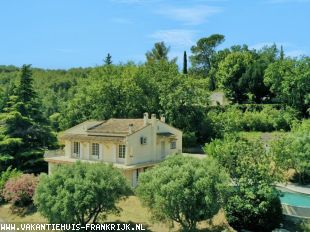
column 116, row 126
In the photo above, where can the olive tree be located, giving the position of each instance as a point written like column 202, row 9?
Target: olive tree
column 183, row 189
column 80, row 193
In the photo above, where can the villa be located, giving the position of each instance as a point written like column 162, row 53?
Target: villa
column 132, row 145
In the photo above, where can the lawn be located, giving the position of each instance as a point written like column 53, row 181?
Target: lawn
column 132, row 212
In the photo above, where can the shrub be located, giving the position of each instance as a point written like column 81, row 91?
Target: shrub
column 80, row 193
column 253, row 203
column 256, row 209
column 183, row 189
column 4, row 177
column 265, row 119
column 293, row 151
column 20, row 190
column 189, row 139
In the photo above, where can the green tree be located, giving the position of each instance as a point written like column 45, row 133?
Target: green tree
column 203, row 51
column 184, row 63
column 292, row 151
column 80, row 193
column 183, row 189
column 158, row 53
column 108, row 60
column 230, row 72
column 184, row 106
column 254, row 203
column 289, row 80
column 24, row 132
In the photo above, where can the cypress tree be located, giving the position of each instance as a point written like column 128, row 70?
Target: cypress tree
column 281, row 53
column 184, row 63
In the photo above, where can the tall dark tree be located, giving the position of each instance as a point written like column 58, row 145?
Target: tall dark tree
column 108, row 60
column 282, row 53
column 184, row 63
column 24, row 132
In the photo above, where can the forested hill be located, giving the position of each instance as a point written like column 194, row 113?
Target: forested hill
column 246, row 76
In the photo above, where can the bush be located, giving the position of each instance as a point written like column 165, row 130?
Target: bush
column 4, row 177
column 183, row 189
column 189, row 139
column 80, row 193
column 254, row 209
column 253, row 203
column 20, row 190
column 292, row 151
column 265, row 119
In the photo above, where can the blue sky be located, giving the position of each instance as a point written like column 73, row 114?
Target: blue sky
column 73, row 33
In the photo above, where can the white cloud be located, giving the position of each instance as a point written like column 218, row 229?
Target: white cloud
column 190, row 15
column 175, row 37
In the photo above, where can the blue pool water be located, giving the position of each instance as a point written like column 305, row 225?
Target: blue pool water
column 295, row 199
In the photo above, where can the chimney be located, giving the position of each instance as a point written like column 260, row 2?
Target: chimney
column 162, row 118
column 130, row 128
column 145, row 118
column 153, row 119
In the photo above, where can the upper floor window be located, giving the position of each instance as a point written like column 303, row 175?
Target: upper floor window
column 121, row 151
column 143, row 140
column 173, row 145
column 76, row 149
column 95, row 149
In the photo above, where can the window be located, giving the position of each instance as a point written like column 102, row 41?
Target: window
column 143, row 140
column 121, row 151
column 95, row 149
column 76, row 149
column 173, row 145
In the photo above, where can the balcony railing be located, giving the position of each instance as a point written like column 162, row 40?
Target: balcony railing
column 53, row 153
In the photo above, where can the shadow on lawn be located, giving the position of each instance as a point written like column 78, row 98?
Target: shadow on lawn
column 23, row 211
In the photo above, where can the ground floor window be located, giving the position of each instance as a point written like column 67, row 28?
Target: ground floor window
column 76, row 149
column 173, row 145
column 95, row 149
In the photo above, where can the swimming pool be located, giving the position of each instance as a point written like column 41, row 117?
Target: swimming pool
column 295, row 204
column 295, row 199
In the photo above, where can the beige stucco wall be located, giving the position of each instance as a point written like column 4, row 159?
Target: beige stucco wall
column 163, row 127
column 138, row 153
column 107, row 150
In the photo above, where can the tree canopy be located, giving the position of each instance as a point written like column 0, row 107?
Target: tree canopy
column 80, row 193
column 183, row 189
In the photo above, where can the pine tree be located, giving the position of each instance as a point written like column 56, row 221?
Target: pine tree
column 158, row 53
column 184, row 63
column 24, row 133
column 108, row 60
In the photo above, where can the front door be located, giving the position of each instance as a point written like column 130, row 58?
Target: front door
column 162, row 149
